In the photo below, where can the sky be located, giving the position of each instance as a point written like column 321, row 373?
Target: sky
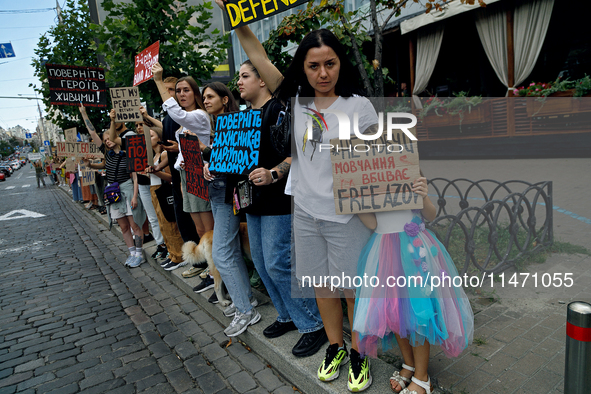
column 16, row 73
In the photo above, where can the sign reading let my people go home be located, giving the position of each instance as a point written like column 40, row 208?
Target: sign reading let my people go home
column 72, row 85
column 126, row 102
column 244, row 12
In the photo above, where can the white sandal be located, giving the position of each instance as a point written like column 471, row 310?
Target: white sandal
column 401, row 380
column 425, row 385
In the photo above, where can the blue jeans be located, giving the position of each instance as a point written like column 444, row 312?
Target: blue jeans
column 226, row 251
column 270, row 245
column 76, row 191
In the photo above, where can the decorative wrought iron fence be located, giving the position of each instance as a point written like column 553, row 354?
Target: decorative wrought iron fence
column 489, row 210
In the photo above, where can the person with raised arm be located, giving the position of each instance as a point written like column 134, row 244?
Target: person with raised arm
column 321, row 77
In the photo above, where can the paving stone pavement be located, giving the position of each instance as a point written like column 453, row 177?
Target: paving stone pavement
column 74, row 319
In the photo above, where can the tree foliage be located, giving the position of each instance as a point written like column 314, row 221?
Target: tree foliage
column 186, row 47
column 67, row 43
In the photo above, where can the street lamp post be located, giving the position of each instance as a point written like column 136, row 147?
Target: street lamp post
column 40, row 114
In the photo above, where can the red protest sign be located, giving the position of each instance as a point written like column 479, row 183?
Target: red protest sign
column 193, row 166
column 137, row 159
column 143, row 63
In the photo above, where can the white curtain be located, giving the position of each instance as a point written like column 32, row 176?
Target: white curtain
column 428, row 45
column 530, row 25
column 491, row 24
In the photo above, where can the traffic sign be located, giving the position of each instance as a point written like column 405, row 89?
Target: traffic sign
column 41, row 149
column 6, row 50
column 46, row 143
column 28, row 135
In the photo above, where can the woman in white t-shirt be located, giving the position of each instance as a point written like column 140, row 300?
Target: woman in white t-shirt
column 326, row 245
column 189, row 113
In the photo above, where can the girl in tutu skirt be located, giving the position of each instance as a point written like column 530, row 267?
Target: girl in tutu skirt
column 404, row 307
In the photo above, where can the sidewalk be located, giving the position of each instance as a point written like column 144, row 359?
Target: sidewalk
column 519, row 340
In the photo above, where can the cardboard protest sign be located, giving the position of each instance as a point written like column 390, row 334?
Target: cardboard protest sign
column 72, row 85
column 193, row 166
column 137, row 159
column 143, row 63
column 71, row 135
column 77, row 149
column 70, row 165
column 88, row 176
column 374, row 176
column 237, row 142
column 126, row 102
column 242, row 12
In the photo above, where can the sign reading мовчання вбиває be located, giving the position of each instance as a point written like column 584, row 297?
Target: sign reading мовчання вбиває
column 72, row 85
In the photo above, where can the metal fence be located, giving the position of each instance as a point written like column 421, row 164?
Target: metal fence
column 490, row 207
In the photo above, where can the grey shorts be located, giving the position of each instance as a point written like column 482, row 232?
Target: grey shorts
column 325, row 248
column 192, row 203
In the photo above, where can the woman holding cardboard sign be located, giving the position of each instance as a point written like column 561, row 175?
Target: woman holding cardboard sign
column 189, row 113
column 326, row 245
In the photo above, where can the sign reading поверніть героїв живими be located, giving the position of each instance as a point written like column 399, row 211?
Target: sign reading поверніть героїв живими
column 72, row 85
column 244, row 12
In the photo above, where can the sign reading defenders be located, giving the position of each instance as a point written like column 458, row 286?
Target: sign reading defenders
column 126, row 102
column 137, row 158
column 193, row 165
column 143, row 63
column 236, row 143
column 72, row 85
column 375, row 177
column 244, row 12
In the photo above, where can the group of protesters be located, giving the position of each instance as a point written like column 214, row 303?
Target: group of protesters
column 324, row 244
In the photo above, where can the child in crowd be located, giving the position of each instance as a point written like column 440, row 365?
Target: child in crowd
column 414, row 315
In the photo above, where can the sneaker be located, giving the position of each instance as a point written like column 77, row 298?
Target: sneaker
column 148, row 238
column 136, row 262
column 163, row 253
column 191, row 272
column 129, row 260
column 335, row 357
column 359, row 376
column 158, row 253
column 204, row 274
column 231, row 309
column 213, row 299
column 164, row 262
column 241, row 322
column 205, row 284
column 172, row 265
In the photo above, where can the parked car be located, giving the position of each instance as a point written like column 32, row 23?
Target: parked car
column 2, row 177
column 5, row 172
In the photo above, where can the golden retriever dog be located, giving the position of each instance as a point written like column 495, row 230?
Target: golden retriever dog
column 195, row 254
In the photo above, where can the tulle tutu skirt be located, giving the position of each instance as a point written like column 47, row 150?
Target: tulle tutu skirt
column 441, row 316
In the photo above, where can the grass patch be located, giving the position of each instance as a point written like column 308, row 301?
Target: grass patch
column 507, row 249
column 480, row 341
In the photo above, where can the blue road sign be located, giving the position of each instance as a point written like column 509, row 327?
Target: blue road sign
column 46, row 143
column 6, row 50
column 28, row 135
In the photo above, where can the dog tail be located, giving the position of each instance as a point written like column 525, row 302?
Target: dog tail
column 190, row 252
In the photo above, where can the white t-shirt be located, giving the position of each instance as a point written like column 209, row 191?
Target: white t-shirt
column 196, row 121
column 311, row 176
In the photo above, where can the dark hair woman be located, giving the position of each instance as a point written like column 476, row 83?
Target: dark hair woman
column 326, row 245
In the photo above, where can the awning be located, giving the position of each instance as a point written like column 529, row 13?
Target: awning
column 453, row 8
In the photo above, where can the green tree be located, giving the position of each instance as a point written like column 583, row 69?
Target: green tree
column 68, row 43
column 5, row 148
column 185, row 44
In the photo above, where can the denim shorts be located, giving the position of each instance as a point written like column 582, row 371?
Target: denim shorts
column 325, row 248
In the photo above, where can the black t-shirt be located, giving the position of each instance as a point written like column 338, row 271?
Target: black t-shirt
column 169, row 128
column 270, row 199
